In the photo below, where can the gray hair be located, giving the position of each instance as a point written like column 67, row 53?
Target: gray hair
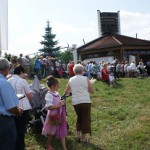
column 78, row 68
column 4, row 63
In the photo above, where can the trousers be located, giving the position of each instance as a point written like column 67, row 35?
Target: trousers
column 8, row 133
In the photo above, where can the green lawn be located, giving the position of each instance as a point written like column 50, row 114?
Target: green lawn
column 120, row 118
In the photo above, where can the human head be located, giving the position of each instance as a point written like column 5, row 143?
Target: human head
column 4, row 66
column 105, row 65
column 79, row 62
column 19, row 69
column 51, row 81
column 78, row 69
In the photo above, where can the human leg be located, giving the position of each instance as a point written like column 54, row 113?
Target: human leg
column 83, row 124
column 7, row 133
column 49, row 142
column 78, row 113
column 21, row 123
column 63, row 143
column 86, row 121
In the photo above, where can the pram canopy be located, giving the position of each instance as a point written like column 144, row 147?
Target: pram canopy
column 39, row 91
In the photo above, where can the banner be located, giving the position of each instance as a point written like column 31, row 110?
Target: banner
column 3, row 25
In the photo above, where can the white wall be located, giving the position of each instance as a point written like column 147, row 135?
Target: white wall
column 97, row 60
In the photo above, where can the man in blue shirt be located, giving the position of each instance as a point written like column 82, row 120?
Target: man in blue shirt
column 8, row 109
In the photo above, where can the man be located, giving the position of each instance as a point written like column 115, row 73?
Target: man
column 20, row 59
column 27, row 61
column 8, row 109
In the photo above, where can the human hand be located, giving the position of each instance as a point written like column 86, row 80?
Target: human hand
column 20, row 111
column 62, row 102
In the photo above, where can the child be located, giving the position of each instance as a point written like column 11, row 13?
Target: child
column 111, row 79
column 55, row 106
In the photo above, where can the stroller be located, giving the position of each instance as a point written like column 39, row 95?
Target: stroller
column 38, row 112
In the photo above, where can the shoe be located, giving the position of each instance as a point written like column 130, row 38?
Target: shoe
column 78, row 140
column 49, row 148
column 85, row 142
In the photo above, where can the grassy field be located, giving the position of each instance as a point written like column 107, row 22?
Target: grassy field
column 120, row 118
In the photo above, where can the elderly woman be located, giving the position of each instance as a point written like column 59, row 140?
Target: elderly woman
column 80, row 87
column 104, row 73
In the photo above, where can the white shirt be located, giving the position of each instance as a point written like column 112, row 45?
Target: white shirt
column 79, row 89
column 132, row 66
column 49, row 99
column 21, row 86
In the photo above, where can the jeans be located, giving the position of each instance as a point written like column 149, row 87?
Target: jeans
column 7, row 133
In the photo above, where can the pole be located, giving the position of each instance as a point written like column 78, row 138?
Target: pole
column 3, row 25
column 74, row 47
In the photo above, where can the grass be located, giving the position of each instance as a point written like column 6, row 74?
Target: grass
column 120, row 118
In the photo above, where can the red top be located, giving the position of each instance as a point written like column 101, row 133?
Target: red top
column 104, row 74
column 71, row 72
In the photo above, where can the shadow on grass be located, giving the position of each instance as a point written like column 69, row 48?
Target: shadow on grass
column 70, row 142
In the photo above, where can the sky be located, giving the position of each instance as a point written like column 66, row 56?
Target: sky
column 71, row 21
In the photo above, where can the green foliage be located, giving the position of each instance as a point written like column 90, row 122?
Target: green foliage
column 66, row 56
column 49, row 45
column 120, row 118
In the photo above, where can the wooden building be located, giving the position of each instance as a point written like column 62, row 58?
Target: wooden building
column 117, row 46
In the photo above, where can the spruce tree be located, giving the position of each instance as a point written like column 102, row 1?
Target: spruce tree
column 49, row 45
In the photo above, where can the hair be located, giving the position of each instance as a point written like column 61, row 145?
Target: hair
column 79, row 62
column 52, row 81
column 4, row 64
column 18, row 69
column 78, row 68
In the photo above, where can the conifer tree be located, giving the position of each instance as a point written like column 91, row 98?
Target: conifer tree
column 49, row 45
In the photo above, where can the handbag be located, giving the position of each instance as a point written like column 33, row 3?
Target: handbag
column 55, row 119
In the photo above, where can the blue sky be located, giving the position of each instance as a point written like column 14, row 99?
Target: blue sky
column 71, row 21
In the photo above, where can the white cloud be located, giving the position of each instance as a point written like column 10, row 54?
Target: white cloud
column 132, row 23
column 27, row 39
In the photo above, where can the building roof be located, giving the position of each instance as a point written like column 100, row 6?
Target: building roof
column 113, row 40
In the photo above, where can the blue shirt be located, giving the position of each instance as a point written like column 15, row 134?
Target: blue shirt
column 37, row 64
column 8, row 98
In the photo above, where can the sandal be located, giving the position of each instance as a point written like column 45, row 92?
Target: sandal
column 49, row 148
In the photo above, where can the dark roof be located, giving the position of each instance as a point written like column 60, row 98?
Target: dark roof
column 113, row 40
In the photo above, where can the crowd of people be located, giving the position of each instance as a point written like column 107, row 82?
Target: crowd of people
column 45, row 66
column 14, row 112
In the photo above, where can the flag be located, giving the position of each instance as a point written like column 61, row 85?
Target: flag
column 3, row 25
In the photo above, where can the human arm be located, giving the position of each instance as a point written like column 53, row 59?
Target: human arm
column 10, row 100
column 28, row 92
column 52, row 107
column 16, row 111
column 90, row 87
column 49, row 102
column 68, row 89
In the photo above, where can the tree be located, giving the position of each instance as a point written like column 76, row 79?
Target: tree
column 49, row 45
column 66, row 56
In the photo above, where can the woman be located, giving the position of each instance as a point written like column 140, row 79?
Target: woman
column 21, row 86
column 80, row 87
column 104, row 73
